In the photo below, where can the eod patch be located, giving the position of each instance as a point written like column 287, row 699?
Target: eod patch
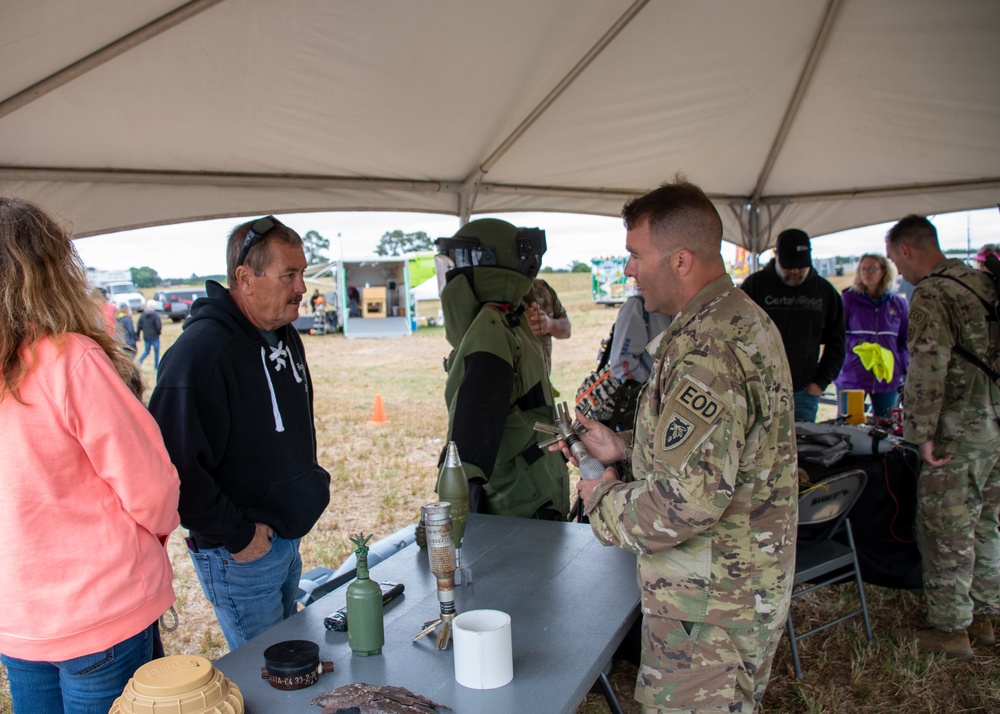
column 918, row 318
column 688, row 417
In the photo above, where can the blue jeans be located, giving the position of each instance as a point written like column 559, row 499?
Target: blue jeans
column 806, row 405
column 883, row 403
column 155, row 344
column 82, row 685
column 250, row 597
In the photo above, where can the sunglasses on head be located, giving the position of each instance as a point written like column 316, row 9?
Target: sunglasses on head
column 258, row 229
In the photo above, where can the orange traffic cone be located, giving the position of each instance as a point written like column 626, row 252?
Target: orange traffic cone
column 378, row 413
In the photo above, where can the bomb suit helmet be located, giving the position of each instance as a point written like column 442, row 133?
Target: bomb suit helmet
column 491, row 242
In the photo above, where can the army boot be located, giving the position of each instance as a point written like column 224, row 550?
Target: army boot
column 953, row 645
column 981, row 630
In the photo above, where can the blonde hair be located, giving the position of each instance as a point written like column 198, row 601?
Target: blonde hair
column 888, row 275
column 44, row 293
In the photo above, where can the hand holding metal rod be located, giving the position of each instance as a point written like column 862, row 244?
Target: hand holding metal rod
column 565, row 429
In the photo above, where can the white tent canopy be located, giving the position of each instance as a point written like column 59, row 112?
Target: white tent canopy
column 819, row 114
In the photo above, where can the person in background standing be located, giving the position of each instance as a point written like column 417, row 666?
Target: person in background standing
column 877, row 323
column 89, row 493
column 150, row 327
column 547, row 317
column 125, row 330
column 108, row 310
column 951, row 416
column 634, row 329
column 809, row 314
column 988, row 249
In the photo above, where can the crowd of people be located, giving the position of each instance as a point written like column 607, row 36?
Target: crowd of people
column 703, row 489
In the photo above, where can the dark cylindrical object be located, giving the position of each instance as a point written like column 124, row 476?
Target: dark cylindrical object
column 293, row 664
column 420, row 532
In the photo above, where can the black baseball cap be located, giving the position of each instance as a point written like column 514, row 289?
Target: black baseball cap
column 793, row 249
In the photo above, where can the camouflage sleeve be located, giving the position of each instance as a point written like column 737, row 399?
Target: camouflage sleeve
column 697, row 438
column 929, row 341
column 558, row 311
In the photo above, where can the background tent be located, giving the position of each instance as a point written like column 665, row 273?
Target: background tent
column 822, row 114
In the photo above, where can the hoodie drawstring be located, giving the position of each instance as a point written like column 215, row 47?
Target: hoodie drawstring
column 278, row 424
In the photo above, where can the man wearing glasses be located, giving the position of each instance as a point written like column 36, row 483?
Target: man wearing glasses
column 234, row 402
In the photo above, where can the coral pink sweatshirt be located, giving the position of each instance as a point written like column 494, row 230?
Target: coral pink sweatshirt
column 88, row 492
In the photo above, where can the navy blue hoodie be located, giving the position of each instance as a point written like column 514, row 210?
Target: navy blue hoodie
column 237, row 419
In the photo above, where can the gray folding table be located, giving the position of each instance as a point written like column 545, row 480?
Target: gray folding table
column 571, row 602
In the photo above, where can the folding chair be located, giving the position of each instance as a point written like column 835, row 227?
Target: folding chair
column 820, row 560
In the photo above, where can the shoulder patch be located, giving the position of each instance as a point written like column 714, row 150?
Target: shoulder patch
column 700, row 401
column 918, row 321
column 678, row 429
column 689, row 416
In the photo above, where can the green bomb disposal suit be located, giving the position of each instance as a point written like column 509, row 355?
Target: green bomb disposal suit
column 497, row 389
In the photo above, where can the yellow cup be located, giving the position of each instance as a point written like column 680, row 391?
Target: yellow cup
column 852, row 406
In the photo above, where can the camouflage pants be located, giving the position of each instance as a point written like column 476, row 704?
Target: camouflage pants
column 706, row 669
column 957, row 519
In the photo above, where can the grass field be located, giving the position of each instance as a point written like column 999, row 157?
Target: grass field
column 382, row 474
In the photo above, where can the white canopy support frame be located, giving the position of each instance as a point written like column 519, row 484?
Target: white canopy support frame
column 818, row 114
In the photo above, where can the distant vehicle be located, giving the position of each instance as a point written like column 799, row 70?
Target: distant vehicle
column 119, row 287
column 125, row 292
column 176, row 304
column 608, row 282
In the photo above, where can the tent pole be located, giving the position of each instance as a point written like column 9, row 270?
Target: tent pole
column 108, row 52
column 800, row 90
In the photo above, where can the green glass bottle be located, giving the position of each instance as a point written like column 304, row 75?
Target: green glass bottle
column 453, row 487
column 365, row 628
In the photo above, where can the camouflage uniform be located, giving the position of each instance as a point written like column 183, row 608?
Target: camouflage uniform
column 712, row 516
column 496, row 390
column 954, row 403
column 548, row 302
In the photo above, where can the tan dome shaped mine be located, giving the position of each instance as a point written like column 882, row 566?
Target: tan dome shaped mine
column 180, row 684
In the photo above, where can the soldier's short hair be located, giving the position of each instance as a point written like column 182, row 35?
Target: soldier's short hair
column 681, row 215
column 914, row 230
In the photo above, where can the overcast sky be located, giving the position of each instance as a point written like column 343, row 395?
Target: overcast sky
column 179, row 250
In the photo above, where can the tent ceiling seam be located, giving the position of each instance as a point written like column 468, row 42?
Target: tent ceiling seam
column 808, row 71
column 108, row 52
column 230, row 179
column 476, row 177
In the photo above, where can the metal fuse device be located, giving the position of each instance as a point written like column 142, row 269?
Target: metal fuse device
column 565, row 429
column 441, row 551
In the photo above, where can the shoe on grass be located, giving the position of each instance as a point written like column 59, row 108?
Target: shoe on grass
column 953, row 645
column 981, row 630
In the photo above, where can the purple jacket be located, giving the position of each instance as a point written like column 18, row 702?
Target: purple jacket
column 883, row 321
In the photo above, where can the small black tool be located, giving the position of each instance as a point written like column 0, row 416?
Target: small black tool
column 338, row 620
